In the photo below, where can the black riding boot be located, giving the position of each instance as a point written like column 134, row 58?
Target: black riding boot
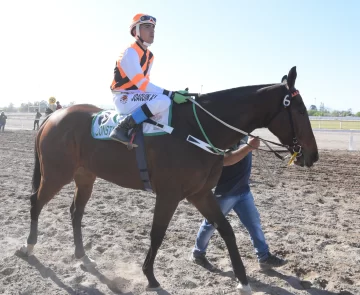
column 120, row 132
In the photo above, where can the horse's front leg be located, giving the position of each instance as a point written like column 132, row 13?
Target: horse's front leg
column 209, row 208
column 164, row 210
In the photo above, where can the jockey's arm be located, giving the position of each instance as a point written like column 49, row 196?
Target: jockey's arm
column 130, row 65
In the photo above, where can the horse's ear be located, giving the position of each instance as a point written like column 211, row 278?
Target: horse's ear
column 292, row 77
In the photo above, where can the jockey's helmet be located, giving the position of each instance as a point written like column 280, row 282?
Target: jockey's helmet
column 139, row 19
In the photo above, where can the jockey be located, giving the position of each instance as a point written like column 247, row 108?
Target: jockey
column 133, row 93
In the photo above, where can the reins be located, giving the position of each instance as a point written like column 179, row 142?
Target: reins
column 286, row 103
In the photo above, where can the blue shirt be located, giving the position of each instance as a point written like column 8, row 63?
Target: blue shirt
column 234, row 179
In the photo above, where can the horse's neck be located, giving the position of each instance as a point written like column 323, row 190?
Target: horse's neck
column 248, row 112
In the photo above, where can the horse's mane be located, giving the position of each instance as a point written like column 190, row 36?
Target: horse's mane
column 238, row 92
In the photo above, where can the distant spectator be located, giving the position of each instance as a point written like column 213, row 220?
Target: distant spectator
column 52, row 106
column 48, row 111
column 58, row 105
column 37, row 119
column 2, row 121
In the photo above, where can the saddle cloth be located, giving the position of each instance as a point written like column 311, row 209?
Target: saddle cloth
column 105, row 121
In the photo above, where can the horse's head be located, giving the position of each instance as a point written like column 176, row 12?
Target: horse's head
column 292, row 125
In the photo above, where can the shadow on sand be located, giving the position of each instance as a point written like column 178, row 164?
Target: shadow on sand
column 116, row 285
column 293, row 281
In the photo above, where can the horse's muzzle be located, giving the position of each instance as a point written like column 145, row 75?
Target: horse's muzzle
column 307, row 159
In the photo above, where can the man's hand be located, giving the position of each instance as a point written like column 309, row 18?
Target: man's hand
column 253, row 142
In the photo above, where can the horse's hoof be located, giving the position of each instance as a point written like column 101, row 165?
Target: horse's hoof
column 27, row 249
column 158, row 288
column 243, row 289
column 87, row 261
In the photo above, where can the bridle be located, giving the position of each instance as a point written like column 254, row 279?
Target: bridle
column 295, row 148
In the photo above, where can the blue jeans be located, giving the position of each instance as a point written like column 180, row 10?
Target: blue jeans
column 245, row 208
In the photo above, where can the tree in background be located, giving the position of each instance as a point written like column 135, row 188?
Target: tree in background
column 323, row 111
column 335, row 113
column 322, row 108
column 43, row 106
column 313, row 113
column 30, row 107
column 349, row 112
column 10, row 108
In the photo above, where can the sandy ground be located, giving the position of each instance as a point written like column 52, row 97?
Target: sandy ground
column 310, row 217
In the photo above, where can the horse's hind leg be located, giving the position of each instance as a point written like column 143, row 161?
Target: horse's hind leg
column 47, row 190
column 84, row 181
column 164, row 210
column 210, row 209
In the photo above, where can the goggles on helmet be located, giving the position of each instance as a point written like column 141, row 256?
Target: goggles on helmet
column 148, row 18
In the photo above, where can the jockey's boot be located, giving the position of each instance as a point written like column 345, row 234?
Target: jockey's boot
column 121, row 131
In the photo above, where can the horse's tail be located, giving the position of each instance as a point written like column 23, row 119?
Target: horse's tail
column 37, row 174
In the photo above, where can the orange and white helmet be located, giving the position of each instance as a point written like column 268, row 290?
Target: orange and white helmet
column 139, row 19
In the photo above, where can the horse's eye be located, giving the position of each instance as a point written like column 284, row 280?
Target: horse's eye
column 302, row 111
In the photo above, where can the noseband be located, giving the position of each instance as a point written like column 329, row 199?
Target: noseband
column 295, row 148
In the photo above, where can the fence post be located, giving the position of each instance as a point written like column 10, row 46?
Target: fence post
column 351, row 142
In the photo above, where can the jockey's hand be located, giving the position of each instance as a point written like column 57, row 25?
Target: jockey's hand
column 253, row 142
column 178, row 96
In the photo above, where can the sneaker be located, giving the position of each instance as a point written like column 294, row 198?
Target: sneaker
column 272, row 261
column 202, row 261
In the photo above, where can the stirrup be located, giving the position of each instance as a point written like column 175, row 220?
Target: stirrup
column 131, row 144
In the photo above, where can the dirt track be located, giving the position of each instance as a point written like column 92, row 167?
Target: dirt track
column 312, row 218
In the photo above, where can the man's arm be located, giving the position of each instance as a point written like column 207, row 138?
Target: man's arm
column 236, row 156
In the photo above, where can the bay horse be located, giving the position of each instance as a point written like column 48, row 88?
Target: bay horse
column 66, row 151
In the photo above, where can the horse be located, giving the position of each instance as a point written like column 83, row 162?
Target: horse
column 66, row 151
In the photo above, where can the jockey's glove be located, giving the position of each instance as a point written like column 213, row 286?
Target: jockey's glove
column 183, row 91
column 178, row 97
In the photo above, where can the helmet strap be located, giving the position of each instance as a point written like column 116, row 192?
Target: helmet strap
column 138, row 36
